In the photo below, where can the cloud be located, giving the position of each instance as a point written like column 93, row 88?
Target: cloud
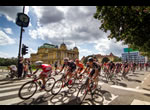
column 78, row 25
column 8, row 30
column 84, row 52
column 30, row 50
column 48, row 14
column 10, row 12
column 74, row 24
column 105, row 46
column 5, row 39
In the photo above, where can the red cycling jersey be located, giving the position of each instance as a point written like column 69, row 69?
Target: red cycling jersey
column 46, row 69
column 80, row 65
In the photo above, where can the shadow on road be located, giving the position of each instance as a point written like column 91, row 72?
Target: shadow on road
column 130, row 79
column 146, row 89
column 68, row 98
column 147, row 95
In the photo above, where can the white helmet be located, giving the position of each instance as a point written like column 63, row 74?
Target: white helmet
column 38, row 63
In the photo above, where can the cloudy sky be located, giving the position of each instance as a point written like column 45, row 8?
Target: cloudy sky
column 52, row 24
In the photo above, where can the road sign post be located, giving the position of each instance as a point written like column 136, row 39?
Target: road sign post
column 23, row 21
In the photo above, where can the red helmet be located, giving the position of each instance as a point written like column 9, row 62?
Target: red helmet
column 77, row 60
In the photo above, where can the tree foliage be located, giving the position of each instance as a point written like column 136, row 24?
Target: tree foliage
column 105, row 60
column 117, row 59
column 130, row 24
column 8, row 61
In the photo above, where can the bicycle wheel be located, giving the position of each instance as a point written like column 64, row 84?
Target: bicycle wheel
column 49, row 84
column 81, row 94
column 57, row 87
column 27, row 90
column 97, row 97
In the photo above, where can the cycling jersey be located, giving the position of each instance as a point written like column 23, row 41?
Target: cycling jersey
column 117, row 65
column 71, row 64
column 80, row 65
column 94, row 66
column 126, row 65
column 46, row 69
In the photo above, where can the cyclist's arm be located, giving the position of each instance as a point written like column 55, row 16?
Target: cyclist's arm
column 85, row 70
column 62, row 68
column 36, row 71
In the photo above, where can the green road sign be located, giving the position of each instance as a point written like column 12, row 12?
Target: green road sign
column 129, row 50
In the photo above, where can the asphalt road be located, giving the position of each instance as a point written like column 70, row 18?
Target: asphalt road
column 133, row 90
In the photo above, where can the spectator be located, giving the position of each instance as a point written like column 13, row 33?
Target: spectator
column 29, row 65
column 25, row 67
column 20, row 67
column 56, row 64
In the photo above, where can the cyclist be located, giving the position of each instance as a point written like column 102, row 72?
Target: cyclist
column 117, row 68
column 111, row 66
column 125, row 69
column 71, row 67
column 13, row 70
column 134, row 66
column 94, row 72
column 56, row 67
column 80, row 67
column 46, row 71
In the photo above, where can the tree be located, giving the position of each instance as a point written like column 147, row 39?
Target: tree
column 105, row 60
column 8, row 61
column 117, row 59
column 130, row 24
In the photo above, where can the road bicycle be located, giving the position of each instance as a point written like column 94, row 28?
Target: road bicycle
column 12, row 74
column 58, row 85
column 28, row 89
column 84, row 90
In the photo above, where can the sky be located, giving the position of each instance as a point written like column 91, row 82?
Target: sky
column 51, row 24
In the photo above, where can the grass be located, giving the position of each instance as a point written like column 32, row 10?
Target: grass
column 4, row 67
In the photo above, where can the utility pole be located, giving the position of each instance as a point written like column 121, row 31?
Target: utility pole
column 20, row 41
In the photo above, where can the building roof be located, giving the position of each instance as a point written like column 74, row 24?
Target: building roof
column 46, row 45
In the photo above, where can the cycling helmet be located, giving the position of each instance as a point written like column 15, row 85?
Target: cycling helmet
column 90, row 59
column 38, row 63
column 66, row 59
column 77, row 60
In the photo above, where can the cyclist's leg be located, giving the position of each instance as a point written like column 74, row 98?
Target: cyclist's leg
column 90, row 76
column 42, row 77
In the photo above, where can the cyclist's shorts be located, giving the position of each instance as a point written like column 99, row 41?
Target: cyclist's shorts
column 111, row 67
column 72, row 70
column 92, row 72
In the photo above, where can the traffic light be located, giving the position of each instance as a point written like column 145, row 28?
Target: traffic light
column 24, row 49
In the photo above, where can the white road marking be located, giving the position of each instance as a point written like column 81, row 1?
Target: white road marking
column 145, row 78
column 106, row 102
column 9, row 88
column 131, row 89
column 17, row 100
column 137, row 87
column 13, row 83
